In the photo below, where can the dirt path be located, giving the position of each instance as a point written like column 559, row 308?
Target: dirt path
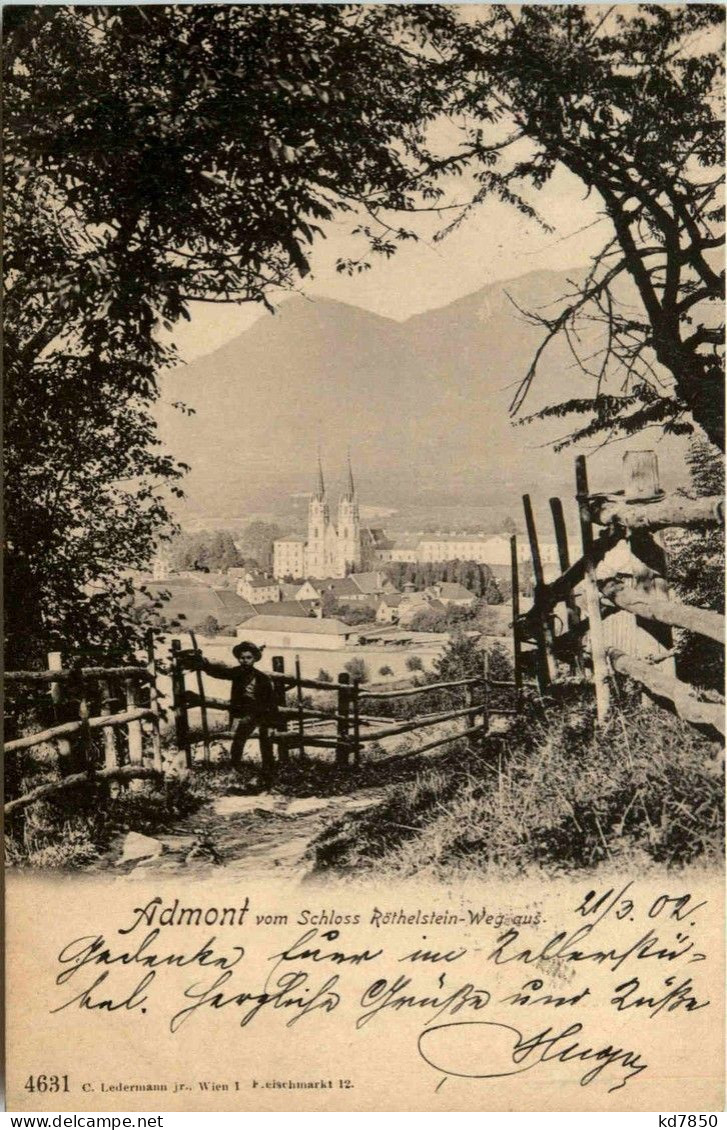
column 254, row 836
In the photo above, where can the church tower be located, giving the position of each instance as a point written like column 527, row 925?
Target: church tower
column 349, row 528
column 319, row 520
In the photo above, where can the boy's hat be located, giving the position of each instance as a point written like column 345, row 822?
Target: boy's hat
column 245, row 645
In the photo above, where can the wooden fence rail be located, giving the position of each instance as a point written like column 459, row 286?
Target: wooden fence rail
column 642, row 595
column 125, row 718
column 52, row 788
column 673, row 692
column 353, row 729
column 421, row 688
column 86, row 673
column 76, row 681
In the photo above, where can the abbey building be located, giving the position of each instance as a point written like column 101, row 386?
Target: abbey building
column 332, row 548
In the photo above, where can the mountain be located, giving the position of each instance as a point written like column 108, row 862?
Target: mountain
column 422, row 403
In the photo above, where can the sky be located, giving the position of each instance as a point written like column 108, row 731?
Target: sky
column 493, row 244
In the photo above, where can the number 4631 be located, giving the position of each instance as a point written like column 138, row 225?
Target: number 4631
column 43, row 1083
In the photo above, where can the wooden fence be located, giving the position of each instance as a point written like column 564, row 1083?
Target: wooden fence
column 354, row 728
column 74, row 689
column 622, row 621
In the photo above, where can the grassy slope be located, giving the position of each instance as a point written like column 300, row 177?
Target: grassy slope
column 555, row 796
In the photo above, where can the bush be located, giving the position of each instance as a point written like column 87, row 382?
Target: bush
column 414, row 663
column 208, row 627
column 324, row 676
column 499, row 663
column 353, row 614
column 385, row 670
column 357, row 669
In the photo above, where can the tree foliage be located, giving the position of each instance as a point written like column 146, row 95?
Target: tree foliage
column 207, row 551
column 630, row 101
column 157, row 156
column 256, row 542
column 477, row 578
column 442, row 619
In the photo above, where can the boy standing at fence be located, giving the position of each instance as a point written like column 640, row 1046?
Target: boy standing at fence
column 252, row 705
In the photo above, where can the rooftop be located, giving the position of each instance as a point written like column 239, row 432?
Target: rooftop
column 309, row 625
column 470, row 539
column 339, row 586
column 368, row 582
column 452, row 589
column 234, row 603
column 285, row 608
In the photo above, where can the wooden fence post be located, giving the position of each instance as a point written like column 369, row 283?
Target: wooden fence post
column 299, row 703
column 516, row 643
column 546, row 656
column 85, row 744
column 470, row 695
column 136, row 741
column 485, row 697
column 573, row 611
column 356, row 722
column 282, row 723
column 648, row 558
column 342, row 725
column 179, row 698
column 592, row 595
column 111, row 758
column 55, row 663
column 202, row 705
column 156, row 737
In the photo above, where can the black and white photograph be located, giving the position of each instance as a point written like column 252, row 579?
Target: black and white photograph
column 364, row 531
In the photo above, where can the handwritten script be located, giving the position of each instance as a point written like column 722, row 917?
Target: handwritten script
column 481, row 995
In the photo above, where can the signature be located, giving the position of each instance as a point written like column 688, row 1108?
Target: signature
column 484, row 1049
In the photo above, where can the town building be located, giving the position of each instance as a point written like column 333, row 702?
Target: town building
column 298, row 632
column 387, row 610
column 289, row 608
column 306, row 591
column 397, row 608
column 258, row 588
column 194, row 604
column 451, row 592
column 332, row 548
column 289, row 556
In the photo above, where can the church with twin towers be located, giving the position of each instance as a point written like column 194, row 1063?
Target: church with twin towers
column 332, row 548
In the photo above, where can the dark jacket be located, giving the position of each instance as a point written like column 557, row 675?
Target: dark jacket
column 252, row 693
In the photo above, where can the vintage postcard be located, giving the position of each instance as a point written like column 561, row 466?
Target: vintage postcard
column 364, row 577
